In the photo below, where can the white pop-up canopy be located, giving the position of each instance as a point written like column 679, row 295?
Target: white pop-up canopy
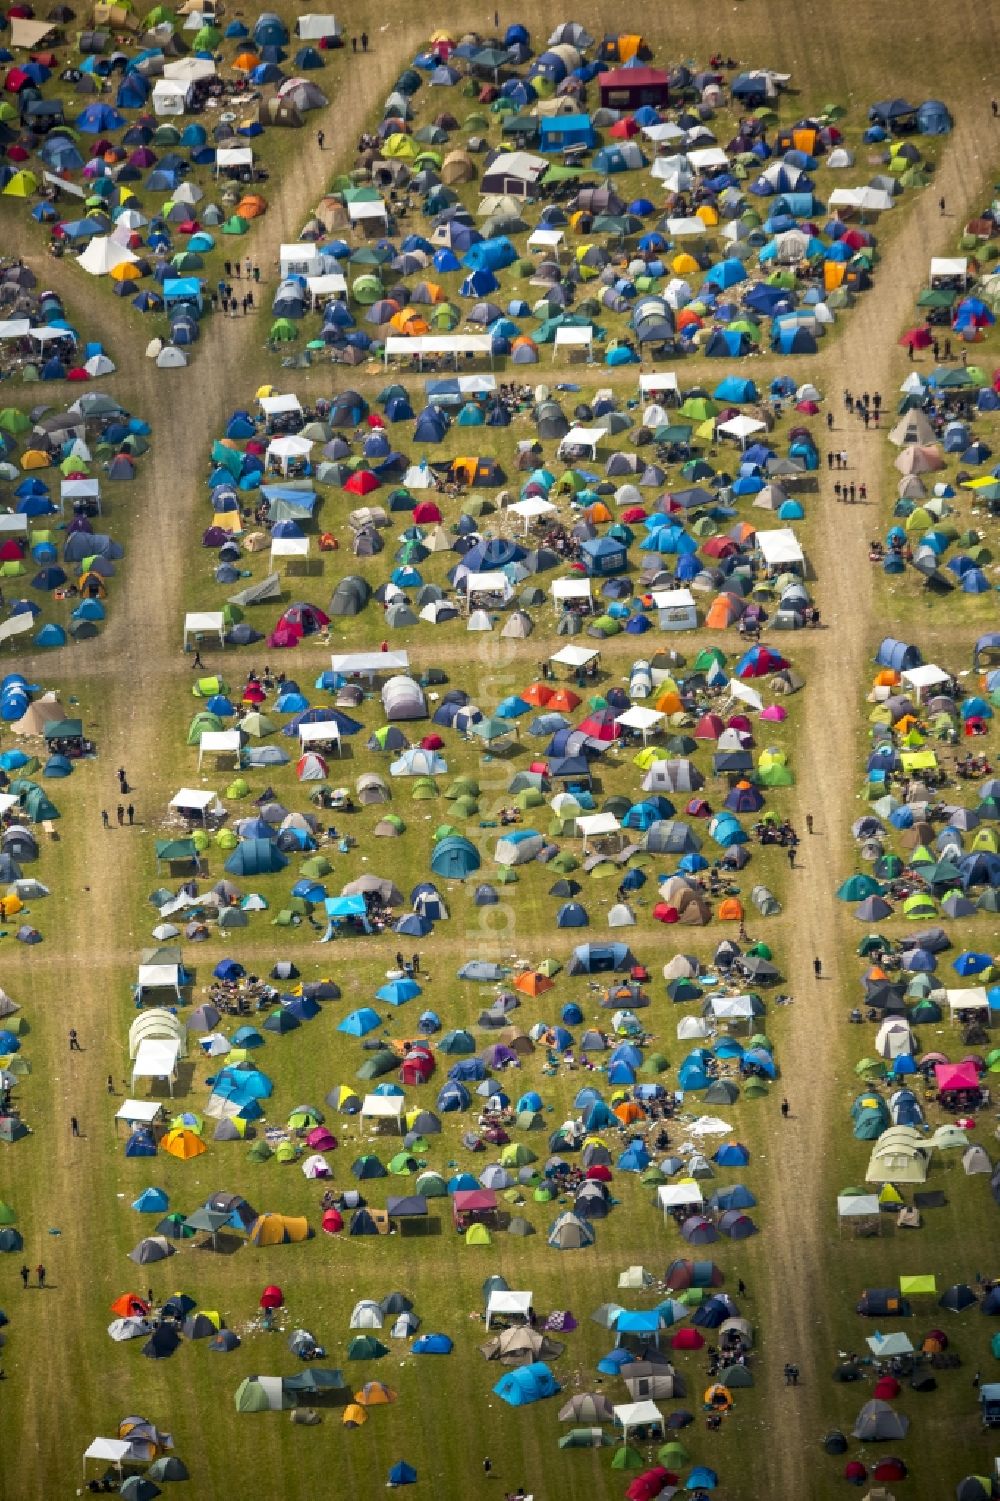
column 112, row 1451
column 927, row 675
column 509, row 1304
column 219, row 743
column 325, row 733
column 573, row 337
column 276, row 406
column 289, row 547
column 233, row 156
column 679, row 1195
column 575, row 656
column 160, row 977
column 658, row 380
column 593, row 825
column 630, row 1415
column 204, row 623
column 531, row 509
column 488, row 583
column 780, row 548
column 418, row 345
column 646, row 721
column 139, row 1112
column 157, row 1059
column 571, row 589
column 383, row 1110
column 545, row 239
column 589, row 438
column 741, row 427
column 972, row 999
column 193, row 799
column 367, row 663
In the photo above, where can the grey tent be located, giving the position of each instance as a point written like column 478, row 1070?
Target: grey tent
column 258, row 593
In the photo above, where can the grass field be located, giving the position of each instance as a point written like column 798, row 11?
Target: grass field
column 72, row 1197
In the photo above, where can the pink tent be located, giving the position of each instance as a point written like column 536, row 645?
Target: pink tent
column 949, row 1076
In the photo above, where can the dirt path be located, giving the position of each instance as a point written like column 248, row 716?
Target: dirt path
column 800, row 1218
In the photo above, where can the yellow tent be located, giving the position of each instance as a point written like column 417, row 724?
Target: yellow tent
column 33, row 458
column 21, row 185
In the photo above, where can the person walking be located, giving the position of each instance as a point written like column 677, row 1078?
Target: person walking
column 364, row 41
column 256, row 275
column 74, row 1126
column 817, row 967
column 354, row 44
column 105, row 820
column 741, row 1288
column 111, row 1084
column 25, row 1274
column 995, row 107
column 862, row 492
column 120, row 811
column 829, row 422
column 74, row 1041
column 843, row 458
column 829, row 461
column 40, row 1274
column 196, row 660
column 487, row 1467
column 941, row 206
column 122, row 779
column 837, row 490
column 130, row 814
column 809, row 823
column 320, row 141
column 416, row 964
column 791, row 857
column 236, row 271
column 852, row 487
column 786, row 1110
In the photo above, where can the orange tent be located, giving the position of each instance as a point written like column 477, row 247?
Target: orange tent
column 532, row 983
column 887, row 678
column 251, row 206
column 722, row 613
column 375, row 1394
column 130, row 1306
column 731, row 910
column 668, row 702
column 539, row 694
column 597, row 512
column 564, row 700
column 804, row 139
column 629, row 1111
column 354, row 1416
column 833, row 275
column 246, row 62
column 741, row 531
column 409, row 321
column 183, row 1144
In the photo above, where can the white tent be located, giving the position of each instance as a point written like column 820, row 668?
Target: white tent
column 508, row 1304
column 415, row 347
column 645, row 721
column 780, row 548
column 678, row 1196
column 281, row 405
column 204, row 623
column 157, row 1059
column 631, row 1415
column 219, row 743
column 574, row 337
column 587, row 438
column 575, row 656
column 383, row 1111
column 327, row 732
column 314, row 26
column 103, row 254
column 567, row 589
column 300, row 259
column 170, row 96
column 596, row 826
column 368, row 663
column 676, row 609
column 196, row 801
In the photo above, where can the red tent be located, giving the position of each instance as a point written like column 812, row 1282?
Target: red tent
column 272, row 1296
column 361, row 482
column 687, row 1339
column 333, row 1221
column 650, row 1483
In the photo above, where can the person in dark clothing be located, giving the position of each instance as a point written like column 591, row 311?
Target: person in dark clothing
column 130, row 813
column 416, row 964
column 105, row 820
column 40, row 1274
column 25, row 1274
column 786, row 1110
column 364, row 41
column 817, row 967
column 74, row 1126
column 120, row 810
column 74, row 1045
